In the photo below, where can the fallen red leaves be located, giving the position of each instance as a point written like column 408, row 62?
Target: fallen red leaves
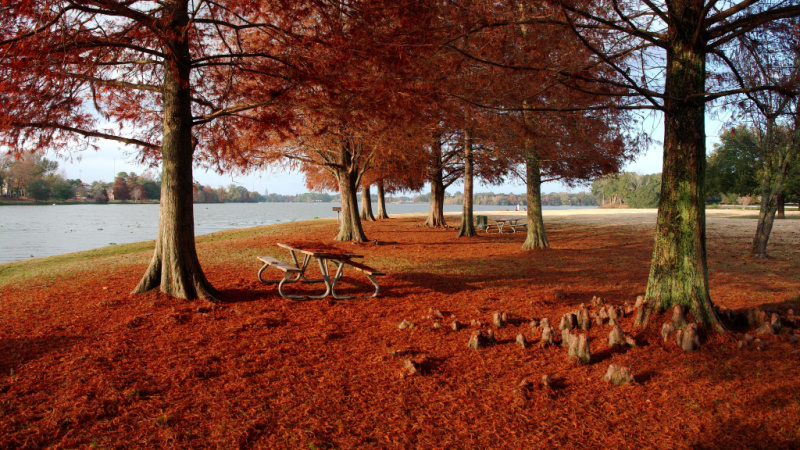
column 84, row 363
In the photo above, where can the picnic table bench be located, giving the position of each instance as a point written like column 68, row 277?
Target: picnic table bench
column 296, row 272
column 369, row 272
column 288, row 271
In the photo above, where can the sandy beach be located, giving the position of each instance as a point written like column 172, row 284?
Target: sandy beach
column 736, row 220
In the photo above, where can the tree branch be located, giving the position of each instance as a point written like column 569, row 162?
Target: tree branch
column 87, row 133
column 729, row 31
column 654, row 38
column 122, row 84
column 235, row 110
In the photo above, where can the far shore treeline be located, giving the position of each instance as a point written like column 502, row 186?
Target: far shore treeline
column 37, row 179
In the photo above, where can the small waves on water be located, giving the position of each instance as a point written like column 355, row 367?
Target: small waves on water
column 36, row 231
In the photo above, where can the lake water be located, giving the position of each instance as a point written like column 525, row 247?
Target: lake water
column 34, row 231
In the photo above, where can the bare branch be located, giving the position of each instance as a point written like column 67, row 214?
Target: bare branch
column 654, row 38
column 87, row 133
column 729, row 31
column 121, row 84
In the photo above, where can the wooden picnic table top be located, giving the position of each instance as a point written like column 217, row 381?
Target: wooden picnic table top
column 320, row 254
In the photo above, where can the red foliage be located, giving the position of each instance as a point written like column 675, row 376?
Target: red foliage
column 121, row 189
column 86, row 364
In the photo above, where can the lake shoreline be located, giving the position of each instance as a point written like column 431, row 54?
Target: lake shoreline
column 32, row 232
column 743, row 220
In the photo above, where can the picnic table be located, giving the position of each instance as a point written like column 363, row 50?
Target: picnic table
column 512, row 222
column 297, row 271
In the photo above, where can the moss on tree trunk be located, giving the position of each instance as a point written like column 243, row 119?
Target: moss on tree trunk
column 436, row 177
column 678, row 272
column 773, row 178
column 766, row 218
column 175, row 267
column 536, row 238
column 467, row 224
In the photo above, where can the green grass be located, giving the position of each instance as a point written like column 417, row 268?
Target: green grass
column 264, row 230
column 44, row 270
column 70, row 264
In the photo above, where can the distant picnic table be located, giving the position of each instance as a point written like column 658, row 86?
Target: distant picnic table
column 512, row 223
column 297, row 271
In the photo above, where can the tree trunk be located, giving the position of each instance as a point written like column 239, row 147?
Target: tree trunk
column 436, row 178
column 350, row 225
column 174, row 266
column 679, row 271
column 766, row 218
column 366, row 205
column 467, row 224
column 772, row 180
column 781, row 206
column 536, row 234
column 381, row 201
column 436, row 212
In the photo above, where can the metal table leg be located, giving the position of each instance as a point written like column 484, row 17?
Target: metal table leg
column 323, row 267
column 339, row 270
column 280, row 287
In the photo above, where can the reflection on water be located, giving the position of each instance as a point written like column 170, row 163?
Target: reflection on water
column 38, row 231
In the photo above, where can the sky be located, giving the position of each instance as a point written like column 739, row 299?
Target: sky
column 111, row 158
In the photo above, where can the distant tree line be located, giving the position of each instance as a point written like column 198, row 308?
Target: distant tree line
column 738, row 165
column 38, row 178
column 628, row 189
column 308, row 197
column 230, row 194
column 491, row 198
column 735, row 174
column 569, row 199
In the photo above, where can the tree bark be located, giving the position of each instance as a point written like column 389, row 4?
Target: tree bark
column 537, row 238
column 347, row 174
column 467, row 224
column 679, row 271
column 436, row 212
column 366, row 205
column 381, row 201
column 436, row 176
column 781, row 206
column 175, row 266
column 772, row 180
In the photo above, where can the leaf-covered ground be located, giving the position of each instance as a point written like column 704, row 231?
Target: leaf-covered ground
column 85, row 364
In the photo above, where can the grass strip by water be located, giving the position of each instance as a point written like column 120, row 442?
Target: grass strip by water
column 52, row 268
